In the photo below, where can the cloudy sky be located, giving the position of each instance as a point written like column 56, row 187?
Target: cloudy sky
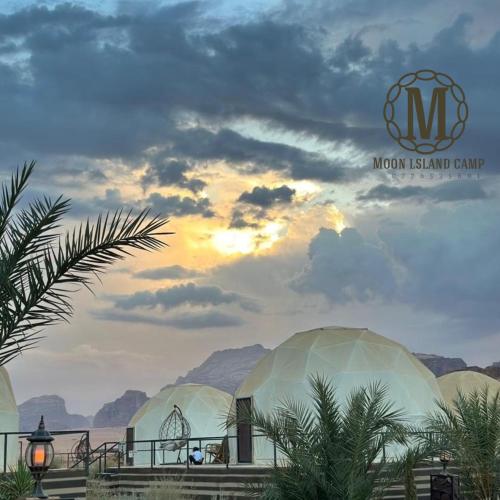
column 253, row 126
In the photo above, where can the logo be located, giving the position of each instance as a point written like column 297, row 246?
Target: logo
column 425, row 111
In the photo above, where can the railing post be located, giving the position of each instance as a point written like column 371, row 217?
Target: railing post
column 225, row 446
column 153, row 454
column 105, row 457
column 119, row 459
column 187, row 454
column 275, row 454
column 5, row 436
column 87, row 453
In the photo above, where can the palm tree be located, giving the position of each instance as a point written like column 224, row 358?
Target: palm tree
column 39, row 268
column 329, row 452
column 470, row 432
column 417, row 451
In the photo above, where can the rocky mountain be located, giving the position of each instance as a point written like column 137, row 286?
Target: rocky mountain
column 439, row 365
column 225, row 369
column 53, row 409
column 492, row 370
column 121, row 410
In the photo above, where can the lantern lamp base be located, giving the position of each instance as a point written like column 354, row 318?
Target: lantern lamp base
column 38, row 491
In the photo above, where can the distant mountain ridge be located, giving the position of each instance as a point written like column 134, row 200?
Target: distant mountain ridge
column 492, row 370
column 225, row 370
column 53, row 409
column 440, row 365
column 119, row 412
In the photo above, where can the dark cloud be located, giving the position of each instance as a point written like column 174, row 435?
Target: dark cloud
column 174, row 206
column 110, row 202
column 186, row 321
column 240, row 220
column 344, row 267
column 445, row 264
column 451, row 265
column 266, row 197
column 255, row 156
column 179, row 206
column 175, row 272
column 127, row 77
column 325, row 13
column 213, row 319
column 172, row 173
column 66, row 17
column 188, row 294
column 118, row 85
column 445, row 192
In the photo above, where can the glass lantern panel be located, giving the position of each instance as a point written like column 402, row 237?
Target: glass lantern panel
column 39, row 455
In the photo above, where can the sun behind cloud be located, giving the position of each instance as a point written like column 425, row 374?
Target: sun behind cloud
column 249, row 240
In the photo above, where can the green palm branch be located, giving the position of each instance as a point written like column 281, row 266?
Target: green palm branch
column 470, row 431
column 330, row 451
column 40, row 268
column 17, row 483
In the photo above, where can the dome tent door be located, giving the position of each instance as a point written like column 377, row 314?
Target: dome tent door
column 244, row 430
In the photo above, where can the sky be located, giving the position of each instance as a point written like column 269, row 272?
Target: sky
column 253, row 127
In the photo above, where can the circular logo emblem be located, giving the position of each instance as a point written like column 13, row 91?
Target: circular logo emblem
column 425, row 111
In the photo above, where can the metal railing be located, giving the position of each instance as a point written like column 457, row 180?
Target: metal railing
column 119, row 453
column 6, row 438
column 155, row 448
column 180, row 457
column 100, row 453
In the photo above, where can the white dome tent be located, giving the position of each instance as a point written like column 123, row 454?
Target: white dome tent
column 9, row 420
column 351, row 358
column 204, row 408
column 467, row 381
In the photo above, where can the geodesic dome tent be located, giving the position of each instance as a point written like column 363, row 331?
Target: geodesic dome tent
column 467, row 381
column 205, row 409
column 9, row 420
column 350, row 357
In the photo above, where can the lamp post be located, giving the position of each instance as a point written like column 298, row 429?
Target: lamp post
column 443, row 484
column 445, row 458
column 39, row 456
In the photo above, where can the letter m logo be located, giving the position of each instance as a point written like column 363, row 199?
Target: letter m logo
column 416, row 107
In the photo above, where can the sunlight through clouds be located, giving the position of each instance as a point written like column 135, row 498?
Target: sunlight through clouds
column 247, row 241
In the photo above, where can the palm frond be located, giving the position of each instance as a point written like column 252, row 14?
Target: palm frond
column 12, row 193
column 329, row 450
column 39, row 269
column 470, row 430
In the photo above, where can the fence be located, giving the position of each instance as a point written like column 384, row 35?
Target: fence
column 17, row 440
column 155, row 452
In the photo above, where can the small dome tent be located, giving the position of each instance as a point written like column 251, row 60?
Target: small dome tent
column 204, row 408
column 9, row 420
column 467, row 381
column 350, row 358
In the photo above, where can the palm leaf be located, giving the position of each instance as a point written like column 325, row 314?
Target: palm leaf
column 40, row 269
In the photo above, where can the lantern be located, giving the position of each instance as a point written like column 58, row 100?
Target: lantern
column 39, row 456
